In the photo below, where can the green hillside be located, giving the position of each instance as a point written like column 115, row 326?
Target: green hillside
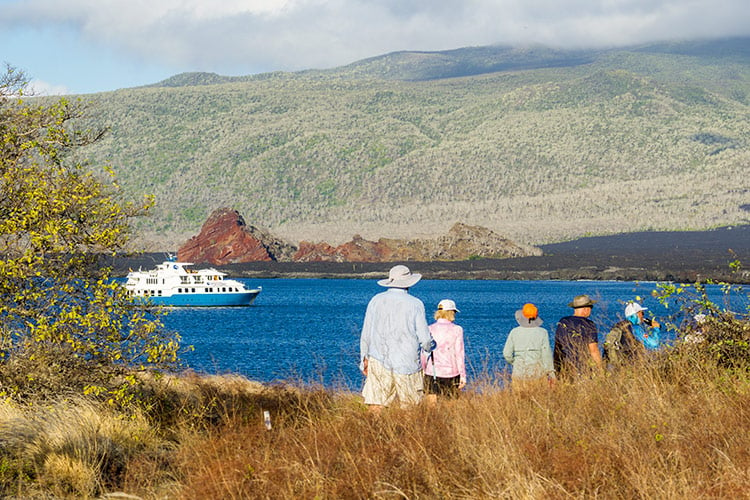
column 536, row 144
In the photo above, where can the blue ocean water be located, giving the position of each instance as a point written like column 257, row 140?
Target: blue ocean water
column 308, row 329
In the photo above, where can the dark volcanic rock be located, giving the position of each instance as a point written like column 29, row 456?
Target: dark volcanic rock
column 653, row 256
column 226, row 239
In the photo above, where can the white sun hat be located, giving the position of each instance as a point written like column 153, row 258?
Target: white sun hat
column 400, row 277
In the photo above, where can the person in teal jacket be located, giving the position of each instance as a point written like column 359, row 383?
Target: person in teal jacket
column 527, row 348
column 648, row 331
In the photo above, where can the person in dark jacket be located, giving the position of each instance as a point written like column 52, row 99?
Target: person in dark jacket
column 576, row 339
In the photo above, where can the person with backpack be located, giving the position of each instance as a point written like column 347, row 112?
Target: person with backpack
column 632, row 336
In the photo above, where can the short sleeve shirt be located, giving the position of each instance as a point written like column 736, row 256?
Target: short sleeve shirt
column 572, row 338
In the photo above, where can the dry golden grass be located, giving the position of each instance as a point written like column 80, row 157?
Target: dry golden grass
column 672, row 427
column 668, row 429
column 74, row 448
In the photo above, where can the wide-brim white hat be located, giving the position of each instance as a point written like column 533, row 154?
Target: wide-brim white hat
column 400, row 277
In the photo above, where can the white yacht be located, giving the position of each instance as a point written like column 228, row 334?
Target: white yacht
column 174, row 283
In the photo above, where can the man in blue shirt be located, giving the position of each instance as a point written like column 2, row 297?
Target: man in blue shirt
column 394, row 331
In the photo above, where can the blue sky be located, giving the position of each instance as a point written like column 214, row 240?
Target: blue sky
column 88, row 46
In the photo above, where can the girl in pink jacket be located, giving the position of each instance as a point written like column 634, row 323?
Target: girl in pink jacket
column 445, row 368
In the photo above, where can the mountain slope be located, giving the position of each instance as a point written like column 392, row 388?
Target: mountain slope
column 469, row 61
column 537, row 145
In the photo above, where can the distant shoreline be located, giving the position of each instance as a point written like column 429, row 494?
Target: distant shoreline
column 649, row 256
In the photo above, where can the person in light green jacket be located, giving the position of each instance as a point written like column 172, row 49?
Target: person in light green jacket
column 527, row 349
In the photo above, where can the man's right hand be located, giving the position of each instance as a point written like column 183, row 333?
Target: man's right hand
column 432, row 346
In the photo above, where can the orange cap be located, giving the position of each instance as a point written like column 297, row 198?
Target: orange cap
column 530, row 311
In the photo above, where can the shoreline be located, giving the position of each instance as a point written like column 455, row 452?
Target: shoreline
column 685, row 257
column 526, row 268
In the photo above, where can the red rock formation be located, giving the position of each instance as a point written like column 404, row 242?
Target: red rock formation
column 226, row 239
column 316, row 252
column 362, row 250
column 462, row 242
column 357, row 250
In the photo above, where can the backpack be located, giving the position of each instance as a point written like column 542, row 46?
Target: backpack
column 620, row 345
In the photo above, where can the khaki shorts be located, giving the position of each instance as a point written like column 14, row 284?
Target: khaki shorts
column 382, row 386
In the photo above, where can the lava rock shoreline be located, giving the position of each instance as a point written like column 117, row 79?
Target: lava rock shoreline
column 685, row 257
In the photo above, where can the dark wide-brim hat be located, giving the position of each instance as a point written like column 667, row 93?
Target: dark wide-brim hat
column 526, row 322
column 582, row 301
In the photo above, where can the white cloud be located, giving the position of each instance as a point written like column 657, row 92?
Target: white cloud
column 243, row 36
column 40, row 88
